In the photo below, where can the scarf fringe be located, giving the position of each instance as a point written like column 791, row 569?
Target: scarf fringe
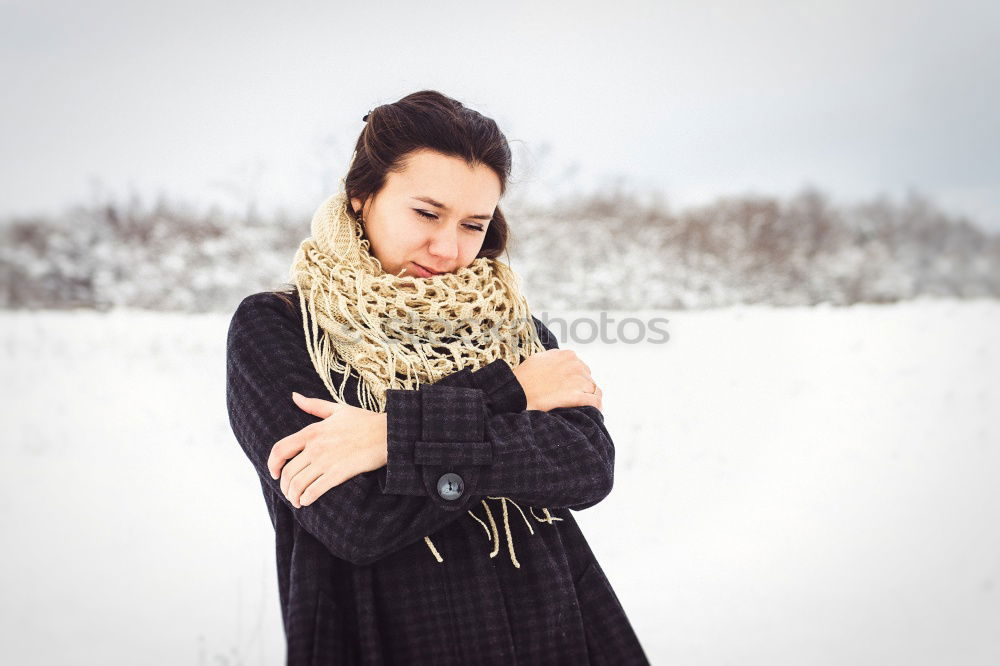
column 495, row 537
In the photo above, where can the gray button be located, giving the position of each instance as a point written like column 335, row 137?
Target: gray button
column 450, row 486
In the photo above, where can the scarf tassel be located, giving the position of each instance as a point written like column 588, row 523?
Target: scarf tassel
column 495, row 536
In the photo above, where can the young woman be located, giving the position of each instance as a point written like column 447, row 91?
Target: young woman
column 408, row 418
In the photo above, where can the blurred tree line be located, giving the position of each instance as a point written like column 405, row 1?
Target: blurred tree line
column 606, row 250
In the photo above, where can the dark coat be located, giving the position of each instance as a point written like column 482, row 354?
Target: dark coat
column 357, row 581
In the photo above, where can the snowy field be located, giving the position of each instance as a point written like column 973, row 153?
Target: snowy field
column 793, row 486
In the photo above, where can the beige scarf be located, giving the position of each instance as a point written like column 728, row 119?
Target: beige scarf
column 396, row 332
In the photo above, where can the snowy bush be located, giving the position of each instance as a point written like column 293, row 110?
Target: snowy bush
column 601, row 251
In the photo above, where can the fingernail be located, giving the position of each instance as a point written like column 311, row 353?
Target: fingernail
column 295, row 394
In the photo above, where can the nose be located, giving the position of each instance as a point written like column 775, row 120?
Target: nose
column 444, row 243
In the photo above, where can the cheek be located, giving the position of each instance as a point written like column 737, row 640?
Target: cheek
column 395, row 242
column 469, row 253
column 471, row 248
column 410, row 241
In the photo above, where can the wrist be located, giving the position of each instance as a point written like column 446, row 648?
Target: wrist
column 382, row 439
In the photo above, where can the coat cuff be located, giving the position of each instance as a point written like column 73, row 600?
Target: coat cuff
column 432, row 432
column 500, row 386
column 400, row 476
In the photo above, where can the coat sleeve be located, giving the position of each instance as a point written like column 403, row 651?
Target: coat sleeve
column 560, row 458
column 358, row 520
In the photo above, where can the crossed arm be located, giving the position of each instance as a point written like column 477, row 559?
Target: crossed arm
column 471, row 423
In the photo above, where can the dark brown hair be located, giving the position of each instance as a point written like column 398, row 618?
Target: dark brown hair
column 429, row 119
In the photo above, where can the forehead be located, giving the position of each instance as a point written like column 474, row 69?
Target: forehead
column 447, row 179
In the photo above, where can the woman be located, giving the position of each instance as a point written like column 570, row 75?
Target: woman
column 455, row 424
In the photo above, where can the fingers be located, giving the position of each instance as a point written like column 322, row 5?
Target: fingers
column 287, row 448
column 314, row 478
column 320, row 485
column 593, row 399
column 290, row 446
column 290, row 471
column 576, row 362
column 315, row 406
column 581, row 398
column 586, row 383
column 300, row 482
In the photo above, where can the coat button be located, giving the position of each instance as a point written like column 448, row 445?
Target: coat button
column 450, row 486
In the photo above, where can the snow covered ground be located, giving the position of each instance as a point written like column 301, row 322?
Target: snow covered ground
column 793, row 486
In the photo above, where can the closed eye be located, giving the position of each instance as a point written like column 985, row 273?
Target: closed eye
column 430, row 216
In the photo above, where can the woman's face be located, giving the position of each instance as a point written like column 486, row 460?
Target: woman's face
column 432, row 215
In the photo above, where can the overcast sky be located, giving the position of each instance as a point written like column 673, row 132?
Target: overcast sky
column 230, row 102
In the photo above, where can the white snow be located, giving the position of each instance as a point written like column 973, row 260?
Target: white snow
column 793, row 486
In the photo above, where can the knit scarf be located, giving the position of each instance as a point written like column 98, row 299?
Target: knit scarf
column 393, row 332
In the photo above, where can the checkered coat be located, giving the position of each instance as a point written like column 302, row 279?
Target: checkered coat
column 359, row 583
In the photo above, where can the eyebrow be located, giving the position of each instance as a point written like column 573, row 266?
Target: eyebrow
column 443, row 207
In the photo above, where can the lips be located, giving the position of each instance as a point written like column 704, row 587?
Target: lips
column 423, row 271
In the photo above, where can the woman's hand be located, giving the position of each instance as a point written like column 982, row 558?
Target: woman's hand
column 348, row 441
column 557, row 378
